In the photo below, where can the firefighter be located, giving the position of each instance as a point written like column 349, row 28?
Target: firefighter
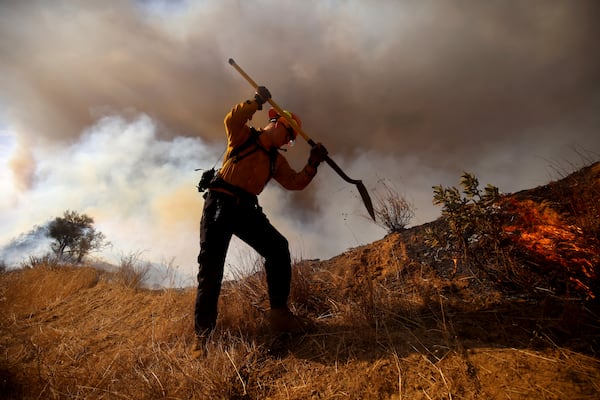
column 231, row 207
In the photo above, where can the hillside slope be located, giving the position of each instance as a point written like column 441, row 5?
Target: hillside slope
column 395, row 319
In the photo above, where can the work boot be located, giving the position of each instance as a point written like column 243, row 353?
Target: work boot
column 283, row 321
column 200, row 349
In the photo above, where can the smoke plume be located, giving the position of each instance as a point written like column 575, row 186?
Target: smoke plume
column 108, row 107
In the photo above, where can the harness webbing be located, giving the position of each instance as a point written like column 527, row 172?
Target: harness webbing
column 235, row 156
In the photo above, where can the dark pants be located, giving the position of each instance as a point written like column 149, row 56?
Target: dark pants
column 224, row 216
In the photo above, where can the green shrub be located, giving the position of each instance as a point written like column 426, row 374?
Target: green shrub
column 473, row 219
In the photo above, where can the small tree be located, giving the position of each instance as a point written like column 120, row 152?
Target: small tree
column 74, row 236
column 392, row 211
column 473, row 217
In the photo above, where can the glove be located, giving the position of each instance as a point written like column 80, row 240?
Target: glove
column 317, row 154
column 261, row 96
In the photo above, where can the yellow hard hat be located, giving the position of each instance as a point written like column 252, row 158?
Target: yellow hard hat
column 275, row 117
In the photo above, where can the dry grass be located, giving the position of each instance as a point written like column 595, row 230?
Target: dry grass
column 390, row 323
column 132, row 272
column 72, row 333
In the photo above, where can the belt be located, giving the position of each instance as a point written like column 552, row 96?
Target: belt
column 219, row 185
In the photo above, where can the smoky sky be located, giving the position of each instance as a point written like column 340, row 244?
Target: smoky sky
column 412, row 91
column 392, row 76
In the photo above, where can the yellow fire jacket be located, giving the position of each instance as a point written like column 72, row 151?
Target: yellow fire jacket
column 252, row 172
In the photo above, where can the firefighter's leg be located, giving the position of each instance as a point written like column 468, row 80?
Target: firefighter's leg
column 264, row 238
column 258, row 232
column 215, row 235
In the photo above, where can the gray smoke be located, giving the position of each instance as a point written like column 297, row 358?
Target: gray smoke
column 112, row 104
column 34, row 243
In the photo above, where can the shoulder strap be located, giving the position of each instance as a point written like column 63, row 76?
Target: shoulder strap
column 235, row 153
column 273, row 161
column 236, row 157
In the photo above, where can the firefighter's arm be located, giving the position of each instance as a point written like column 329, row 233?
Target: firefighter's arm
column 290, row 179
column 237, row 118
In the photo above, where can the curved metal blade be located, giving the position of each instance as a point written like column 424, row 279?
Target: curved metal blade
column 364, row 194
